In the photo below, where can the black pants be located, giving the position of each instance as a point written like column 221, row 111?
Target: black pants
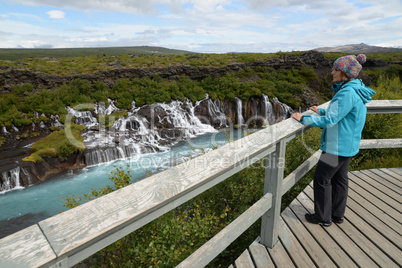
column 331, row 186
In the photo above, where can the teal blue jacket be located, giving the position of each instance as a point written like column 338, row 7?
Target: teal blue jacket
column 343, row 121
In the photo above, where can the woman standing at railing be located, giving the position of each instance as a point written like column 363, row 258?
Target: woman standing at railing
column 342, row 124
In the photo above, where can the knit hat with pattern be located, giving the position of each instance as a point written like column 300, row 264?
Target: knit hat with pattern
column 350, row 65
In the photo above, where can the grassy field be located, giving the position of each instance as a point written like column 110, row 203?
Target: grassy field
column 19, row 53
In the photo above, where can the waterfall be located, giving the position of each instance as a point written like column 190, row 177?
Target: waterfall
column 216, row 113
column 100, row 108
column 239, row 106
column 268, row 110
column 55, row 121
column 148, row 129
column 4, row 129
column 185, row 119
column 82, row 117
column 10, row 180
column 285, row 111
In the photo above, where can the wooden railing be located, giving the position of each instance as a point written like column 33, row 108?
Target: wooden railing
column 72, row 236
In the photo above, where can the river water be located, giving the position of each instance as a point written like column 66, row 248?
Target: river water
column 23, row 207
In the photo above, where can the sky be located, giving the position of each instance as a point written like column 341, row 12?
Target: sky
column 204, row 26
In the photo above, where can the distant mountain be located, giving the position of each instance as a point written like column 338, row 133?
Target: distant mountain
column 358, row 48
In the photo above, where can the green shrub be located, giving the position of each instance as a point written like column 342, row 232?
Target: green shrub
column 25, row 88
column 61, row 143
column 14, row 117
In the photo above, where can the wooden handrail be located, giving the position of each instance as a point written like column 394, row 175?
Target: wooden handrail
column 63, row 241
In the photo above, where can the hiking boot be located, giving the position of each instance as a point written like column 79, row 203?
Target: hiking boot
column 337, row 220
column 312, row 218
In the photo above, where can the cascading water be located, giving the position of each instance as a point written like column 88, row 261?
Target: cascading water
column 185, row 119
column 10, row 180
column 285, row 110
column 216, row 113
column 100, row 107
column 55, row 121
column 4, row 130
column 239, row 107
column 268, row 110
column 134, row 134
column 82, row 117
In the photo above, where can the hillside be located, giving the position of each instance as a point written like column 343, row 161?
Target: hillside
column 358, row 48
column 21, row 53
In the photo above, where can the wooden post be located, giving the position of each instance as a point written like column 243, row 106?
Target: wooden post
column 274, row 167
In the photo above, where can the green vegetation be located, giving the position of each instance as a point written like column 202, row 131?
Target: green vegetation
column 18, row 54
column 91, row 63
column 60, row 143
column 17, row 107
column 392, row 70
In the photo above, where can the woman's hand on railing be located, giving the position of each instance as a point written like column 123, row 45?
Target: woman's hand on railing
column 314, row 109
column 297, row 116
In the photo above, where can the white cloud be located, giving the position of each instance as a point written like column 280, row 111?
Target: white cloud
column 56, row 14
column 126, row 6
column 206, row 25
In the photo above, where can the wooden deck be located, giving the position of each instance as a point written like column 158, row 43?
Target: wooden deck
column 370, row 236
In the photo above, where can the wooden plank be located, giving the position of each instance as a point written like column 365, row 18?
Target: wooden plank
column 273, row 184
column 389, row 249
column 315, row 251
column 333, row 249
column 279, row 256
column 380, row 143
column 380, row 241
column 380, row 214
column 389, row 176
column 393, row 172
column 353, row 250
column 244, row 260
column 299, row 172
column 360, row 239
column 375, row 201
column 259, row 254
column 397, row 171
column 382, row 178
column 225, row 237
column 362, row 183
column 293, row 246
column 384, row 106
column 376, row 223
column 379, row 186
column 26, row 248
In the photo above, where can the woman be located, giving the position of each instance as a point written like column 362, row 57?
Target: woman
column 342, row 124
